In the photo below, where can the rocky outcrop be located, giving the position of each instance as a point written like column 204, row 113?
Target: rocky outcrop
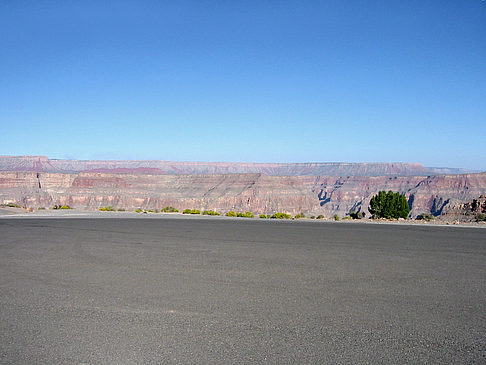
column 259, row 193
column 465, row 212
column 44, row 164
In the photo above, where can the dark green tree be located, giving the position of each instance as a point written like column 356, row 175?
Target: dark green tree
column 389, row 205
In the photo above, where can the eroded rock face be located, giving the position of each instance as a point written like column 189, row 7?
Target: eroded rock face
column 466, row 212
column 435, row 194
column 44, row 164
column 258, row 193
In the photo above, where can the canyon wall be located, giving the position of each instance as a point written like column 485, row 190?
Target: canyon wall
column 258, row 193
column 44, row 164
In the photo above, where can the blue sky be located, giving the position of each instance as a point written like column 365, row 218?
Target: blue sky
column 261, row 81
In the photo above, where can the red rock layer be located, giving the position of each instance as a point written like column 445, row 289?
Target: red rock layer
column 254, row 192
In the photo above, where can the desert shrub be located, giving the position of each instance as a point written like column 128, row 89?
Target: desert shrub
column 347, row 218
column 425, row 217
column 12, row 205
column 138, row 210
column 356, row 215
column 299, row 216
column 121, row 210
column 210, row 212
column 264, row 216
column 170, row 209
column 107, row 209
column 231, row 214
column 65, row 207
column 389, row 205
column 191, row 211
column 320, row 216
column 336, row 217
column 281, row 215
column 246, row 215
column 481, row 217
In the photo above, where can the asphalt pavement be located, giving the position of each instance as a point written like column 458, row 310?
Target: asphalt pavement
column 214, row 291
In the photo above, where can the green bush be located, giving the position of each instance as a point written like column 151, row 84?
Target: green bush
column 320, row 216
column 425, row 217
column 481, row 217
column 12, row 205
column 138, row 210
column 121, row 210
column 170, row 209
column 231, row 214
column 299, row 216
column 281, row 215
column 336, row 217
column 58, row 206
column 389, row 205
column 191, row 211
column 264, row 216
column 246, row 215
column 356, row 215
column 107, row 209
column 210, row 212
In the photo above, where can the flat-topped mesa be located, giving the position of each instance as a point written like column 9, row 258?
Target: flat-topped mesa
column 25, row 163
column 44, row 164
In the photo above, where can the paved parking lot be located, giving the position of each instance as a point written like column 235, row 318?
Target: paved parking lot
column 199, row 291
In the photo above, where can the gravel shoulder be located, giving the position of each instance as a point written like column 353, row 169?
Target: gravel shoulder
column 12, row 213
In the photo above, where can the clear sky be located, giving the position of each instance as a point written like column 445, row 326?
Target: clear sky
column 259, row 81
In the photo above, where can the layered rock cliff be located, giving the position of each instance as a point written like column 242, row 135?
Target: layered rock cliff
column 44, row 164
column 255, row 192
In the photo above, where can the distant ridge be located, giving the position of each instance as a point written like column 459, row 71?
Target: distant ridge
column 156, row 167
